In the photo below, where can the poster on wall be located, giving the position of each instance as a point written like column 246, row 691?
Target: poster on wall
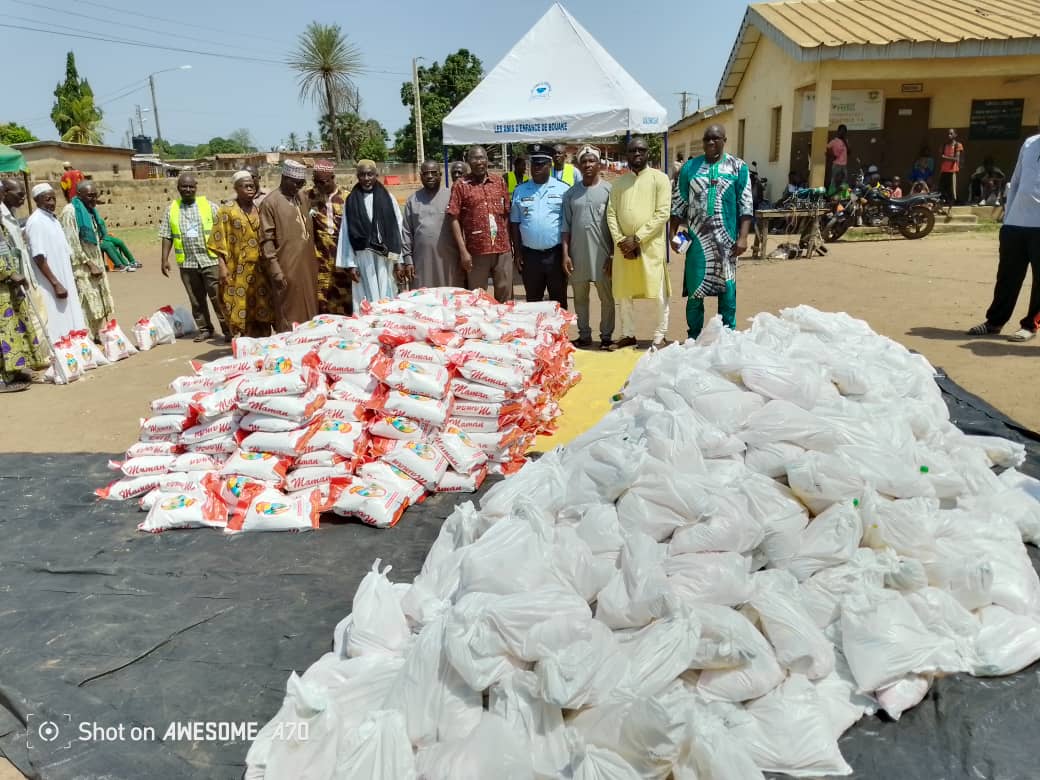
column 858, row 109
column 996, row 120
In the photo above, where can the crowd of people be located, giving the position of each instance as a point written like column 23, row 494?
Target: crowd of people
column 52, row 274
column 263, row 261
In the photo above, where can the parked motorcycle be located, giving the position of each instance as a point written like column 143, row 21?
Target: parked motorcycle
column 912, row 217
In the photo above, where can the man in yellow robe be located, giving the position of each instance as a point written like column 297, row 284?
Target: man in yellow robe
column 637, row 214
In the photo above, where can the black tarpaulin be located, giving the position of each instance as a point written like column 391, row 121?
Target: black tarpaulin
column 101, row 624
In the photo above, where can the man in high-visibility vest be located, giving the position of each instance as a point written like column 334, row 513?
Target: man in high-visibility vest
column 562, row 169
column 185, row 228
column 518, row 175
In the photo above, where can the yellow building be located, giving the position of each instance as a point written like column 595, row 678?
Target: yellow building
column 685, row 137
column 899, row 75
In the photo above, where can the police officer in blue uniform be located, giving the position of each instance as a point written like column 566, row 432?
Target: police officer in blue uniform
column 535, row 220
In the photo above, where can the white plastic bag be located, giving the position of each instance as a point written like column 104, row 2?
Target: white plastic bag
column 883, row 640
column 379, row 626
column 790, row 732
column 378, row 749
column 491, row 750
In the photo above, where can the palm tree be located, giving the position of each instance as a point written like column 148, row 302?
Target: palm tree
column 326, row 62
column 83, row 120
column 310, row 140
column 294, row 143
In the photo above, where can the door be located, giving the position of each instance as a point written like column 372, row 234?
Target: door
column 906, row 131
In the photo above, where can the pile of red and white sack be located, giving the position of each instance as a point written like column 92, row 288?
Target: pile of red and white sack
column 775, row 533
column 361, row 416
column 77, row 353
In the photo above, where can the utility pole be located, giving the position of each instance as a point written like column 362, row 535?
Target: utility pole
column 684, row 98
column 140, row 119
column 155, row 108
column 420, row 153
column 132, row 133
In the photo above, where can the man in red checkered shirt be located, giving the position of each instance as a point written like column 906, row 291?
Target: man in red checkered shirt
column 479, row 216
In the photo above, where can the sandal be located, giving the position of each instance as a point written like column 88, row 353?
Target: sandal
column 1022, row 335
column 983, row 329
column 203, row 335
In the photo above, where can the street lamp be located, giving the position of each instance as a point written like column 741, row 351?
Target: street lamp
column 155, row 106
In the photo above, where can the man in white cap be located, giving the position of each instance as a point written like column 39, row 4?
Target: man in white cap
column 287, row 248
column 52, row 263
column 186, row 227
column 588, row 247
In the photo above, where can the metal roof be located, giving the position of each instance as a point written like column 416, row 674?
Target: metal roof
column 881, row 22
column 815, row 30
column 697, row 116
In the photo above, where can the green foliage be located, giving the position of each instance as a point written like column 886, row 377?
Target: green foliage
column 293, row 143
column 165, row 149
column 12, row 133
column 74, row 114
column 243, row 138
column 326, row 62
column 358, row 138
column 310, row 141
column 441, row 88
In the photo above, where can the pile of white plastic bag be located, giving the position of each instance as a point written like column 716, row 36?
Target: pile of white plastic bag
column 362, row 416
column 774, row 533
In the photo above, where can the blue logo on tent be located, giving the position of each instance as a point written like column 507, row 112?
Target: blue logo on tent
column 541, row 90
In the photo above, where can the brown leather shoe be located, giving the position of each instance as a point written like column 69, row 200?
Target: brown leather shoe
column 627, row 341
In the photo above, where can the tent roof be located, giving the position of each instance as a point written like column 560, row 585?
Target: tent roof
column 556, row 82
column 11, row 160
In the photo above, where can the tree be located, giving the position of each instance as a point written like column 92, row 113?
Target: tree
column 294, row 143
column 220, row 145
column 164, row 148
column 326, row 62
column 441, row 88
column 358, row 138
column 374, row 145
column 310, row 142
column 74, row 106
column 82, row 121
column 12, row 133
column 243, row 138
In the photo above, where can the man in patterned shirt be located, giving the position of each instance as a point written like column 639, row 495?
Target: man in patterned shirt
column 479, row 215
column 712, row 205
column 185, row 228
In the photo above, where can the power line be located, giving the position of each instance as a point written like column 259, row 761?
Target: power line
column 141, row 44
column 180, row 22
column 96, row 19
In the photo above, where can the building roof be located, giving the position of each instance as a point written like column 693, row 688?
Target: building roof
column 72, row 147
column 816, row 30
column 699, row 116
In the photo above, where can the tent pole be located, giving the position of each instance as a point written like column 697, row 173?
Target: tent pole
column 667, row 243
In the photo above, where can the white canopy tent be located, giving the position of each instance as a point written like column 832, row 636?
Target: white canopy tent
column 557, row 82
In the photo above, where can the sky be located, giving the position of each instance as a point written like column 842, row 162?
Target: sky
column 666, row 52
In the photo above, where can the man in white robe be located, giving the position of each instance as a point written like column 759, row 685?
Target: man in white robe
column 370, row 238
column 52, row 264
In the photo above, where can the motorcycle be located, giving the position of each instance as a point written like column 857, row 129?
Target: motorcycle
column 912, row 217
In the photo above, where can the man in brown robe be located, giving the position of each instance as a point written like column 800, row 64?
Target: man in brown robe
column 288, row 249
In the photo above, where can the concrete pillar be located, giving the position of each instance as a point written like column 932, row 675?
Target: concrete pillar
column 821, row 122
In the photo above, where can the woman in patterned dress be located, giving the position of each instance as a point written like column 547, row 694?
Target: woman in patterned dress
column 245, row 290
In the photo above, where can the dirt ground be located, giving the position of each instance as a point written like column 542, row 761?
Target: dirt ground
column 924, row 294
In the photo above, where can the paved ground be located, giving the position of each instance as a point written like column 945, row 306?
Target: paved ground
column 922, row 293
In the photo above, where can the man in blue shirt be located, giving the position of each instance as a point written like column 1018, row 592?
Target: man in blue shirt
column 535, row 228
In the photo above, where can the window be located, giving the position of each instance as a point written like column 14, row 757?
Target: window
column 774, row 134
column 740, row 139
